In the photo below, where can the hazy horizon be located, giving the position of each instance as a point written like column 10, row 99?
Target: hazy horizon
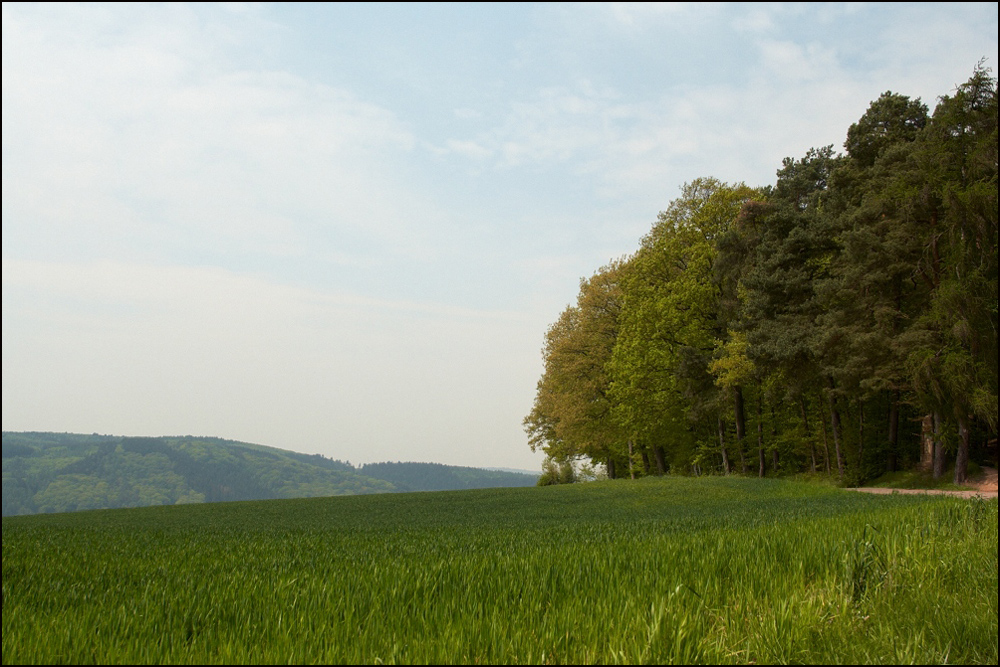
column 203, row 436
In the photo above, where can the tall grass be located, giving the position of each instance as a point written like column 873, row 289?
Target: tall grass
column 654, row 571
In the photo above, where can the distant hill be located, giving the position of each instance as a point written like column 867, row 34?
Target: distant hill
column 65, row 472
column 440, row 477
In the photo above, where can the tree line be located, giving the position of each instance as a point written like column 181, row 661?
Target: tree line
column 843, row 320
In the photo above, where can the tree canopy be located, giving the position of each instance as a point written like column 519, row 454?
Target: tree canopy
column 827, row 312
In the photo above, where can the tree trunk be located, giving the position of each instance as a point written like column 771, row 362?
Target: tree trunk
column 647, row 467
column 893, row 430
column 938, row 447
column 760, row 436
column 741, row 427
column 861, row 435
column 927, row 443
column 631, row 470
column 805, row 430
column 661, row 459
column 835, row 426
column 722, row 446
column 962, row 456
column 826, row 440
column 611, row 468
column 774, row 440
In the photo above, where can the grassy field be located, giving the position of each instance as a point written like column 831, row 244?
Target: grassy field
column 654, row 571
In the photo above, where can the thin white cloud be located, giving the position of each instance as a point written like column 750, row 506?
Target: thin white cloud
column 465, row 113
column 793, row 92
column 795, row 62
column 758, row 19
column 151, row 145
column 641, row 14
column 469, row 149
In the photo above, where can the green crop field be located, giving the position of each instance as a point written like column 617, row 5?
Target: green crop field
column 661, row 570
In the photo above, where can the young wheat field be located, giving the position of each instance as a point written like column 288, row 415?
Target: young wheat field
column 660, row 570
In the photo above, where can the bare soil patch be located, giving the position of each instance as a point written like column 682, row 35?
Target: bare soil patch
column 985, row 485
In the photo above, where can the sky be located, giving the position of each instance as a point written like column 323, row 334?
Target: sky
column 344, row 229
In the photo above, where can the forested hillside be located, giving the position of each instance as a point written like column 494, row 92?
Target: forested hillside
column 439, row 477
column 843, row 320
column 62, row 472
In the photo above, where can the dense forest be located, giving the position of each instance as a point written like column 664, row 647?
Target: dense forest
column 841, row 321
column 63, row 472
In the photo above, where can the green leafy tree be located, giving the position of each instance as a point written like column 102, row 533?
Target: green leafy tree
column 572, row 412
column 671, row 323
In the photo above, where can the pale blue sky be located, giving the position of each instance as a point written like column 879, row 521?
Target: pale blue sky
column 344, row 229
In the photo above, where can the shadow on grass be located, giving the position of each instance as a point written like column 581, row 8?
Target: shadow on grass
column 917, row 479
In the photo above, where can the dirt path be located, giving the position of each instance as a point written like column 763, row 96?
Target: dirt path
column 985, row 485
